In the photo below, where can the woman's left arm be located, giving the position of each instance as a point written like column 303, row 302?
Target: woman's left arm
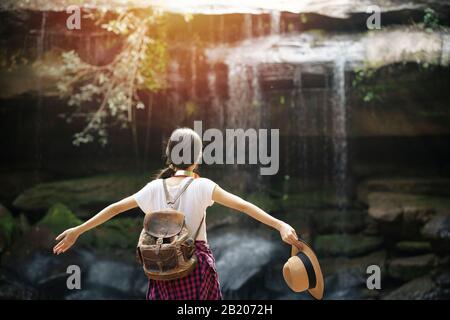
column 70, row 236
column 232, row 201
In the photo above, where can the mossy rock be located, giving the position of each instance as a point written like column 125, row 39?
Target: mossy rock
column 316, row 199
column 412, row 247
column 59, row 218
column 7, row 228
column 83, row 193
column 408, row 268
column 218, row 216
column 118, row 233
column 335, row 221
column 345, row 245
column 264, row 201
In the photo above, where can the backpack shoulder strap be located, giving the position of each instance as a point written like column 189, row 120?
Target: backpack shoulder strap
column 198, row 229
column 171, row 202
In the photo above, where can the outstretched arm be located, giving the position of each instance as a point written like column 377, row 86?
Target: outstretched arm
column 70, row 236
column 232, row 201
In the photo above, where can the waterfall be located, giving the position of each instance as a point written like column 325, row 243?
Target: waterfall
column 40, row 49
column 302, row 118
column 248, row 26
column 216, row 108
column 193, row 73
column 175, row 99
column 275, row 22
column 340, row 131
column 231, row 249
column 239, row 94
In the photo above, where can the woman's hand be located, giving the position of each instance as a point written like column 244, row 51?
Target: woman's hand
column 289, row 235
column 68, row 239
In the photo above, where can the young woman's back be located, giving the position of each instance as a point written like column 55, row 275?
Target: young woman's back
column 193, row 202
column 203, row 282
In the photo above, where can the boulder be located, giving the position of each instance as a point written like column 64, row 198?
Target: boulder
column 407, row 268
column 128, row 279
column 335, row 265
column 390, row 207
column 59, row 218
column 13, row 287
column 402, row 215
column 418, row 289
column 437, row 230
column 232, row 248
column 346, row 278
column 345, row 245
column 83, row 193
column 118, row 233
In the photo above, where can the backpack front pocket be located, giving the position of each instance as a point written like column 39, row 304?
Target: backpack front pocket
column 161, row 260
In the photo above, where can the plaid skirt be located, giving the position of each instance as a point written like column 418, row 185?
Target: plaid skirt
column 201, row 284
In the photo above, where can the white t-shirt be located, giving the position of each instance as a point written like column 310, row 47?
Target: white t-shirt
column 193, row 202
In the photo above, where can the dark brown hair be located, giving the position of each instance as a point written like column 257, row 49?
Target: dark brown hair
column 192, row 140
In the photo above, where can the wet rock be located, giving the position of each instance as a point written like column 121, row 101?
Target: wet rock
column 122, row 277
column 346, row 278
column 98, row 293
column 412, row 247
column 84, row 193
column 348, row 284
column 442, row 279
column 345, row 245
column 418, row 289
column 334, row 265
column 14, row 288
column 219, row 216
column 408, row 268
column 232, row 248
column 273, row 277
column 438, row 231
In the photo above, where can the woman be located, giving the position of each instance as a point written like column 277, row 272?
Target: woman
column 203, row 282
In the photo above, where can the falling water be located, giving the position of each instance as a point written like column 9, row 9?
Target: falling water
column 193, row 73
column 340, row 131
column 240, row 94
column 174, row 74
column 37, row 143
column 216, row 108
column 275, row 22
column 248, row 26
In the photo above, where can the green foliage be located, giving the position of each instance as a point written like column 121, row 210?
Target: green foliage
column 118, row 233
column 7, row 227
column 141, row 64
column 12, row 60
column 430, row 20
column 363, row 83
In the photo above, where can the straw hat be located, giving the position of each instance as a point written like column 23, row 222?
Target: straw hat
column 302, row 272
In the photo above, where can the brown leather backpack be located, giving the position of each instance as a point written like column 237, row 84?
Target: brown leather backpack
column 164, row 249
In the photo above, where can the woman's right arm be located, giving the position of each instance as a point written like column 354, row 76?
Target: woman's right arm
column 68, row 238
column 232, row 201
